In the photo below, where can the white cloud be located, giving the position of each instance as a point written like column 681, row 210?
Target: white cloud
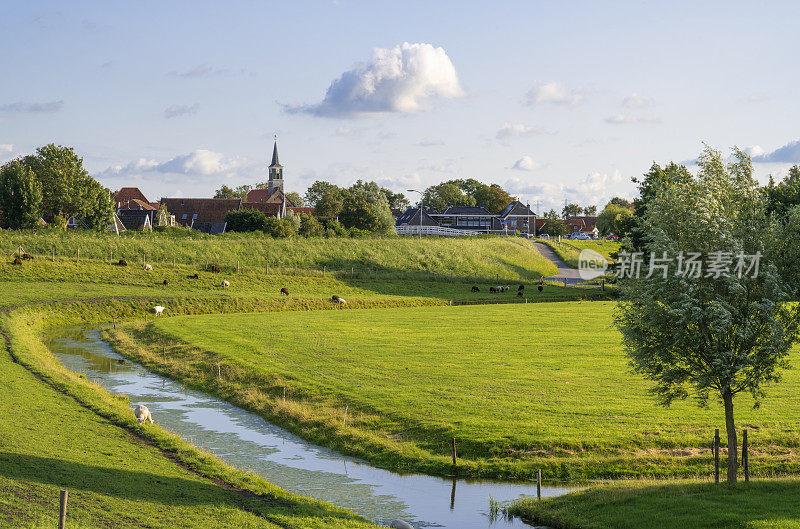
column 397, row 80
column 789, row 153
column 429, row 143
column 48, row 107
column 637, row 101
column 757, row 97
column 201, row 70
column 6, row 148
column 515, row 130
column 626, row 119
column 344, row 131
column 199, row 163
column 553, row 92
column 526, row 163
column 754, row 150
column 594, row 189
column 181, row 110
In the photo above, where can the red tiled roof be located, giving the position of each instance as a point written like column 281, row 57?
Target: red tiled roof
column 125, row 195
column 206, row 209
column 267, row 208
column 261, row 195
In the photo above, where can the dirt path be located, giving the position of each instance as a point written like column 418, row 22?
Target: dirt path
column 564, row 271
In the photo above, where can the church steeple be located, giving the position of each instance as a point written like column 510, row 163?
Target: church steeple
column 275, row 171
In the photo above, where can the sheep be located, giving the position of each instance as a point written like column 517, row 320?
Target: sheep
column 143, row 414
column 492, row 289
column 165, row 282
column 285, row 291
column 215, row 269
column 519, row 293
column 158, row 309
column 148, row 267
column 225, row 283
column 339, row 300
column 122, row 262
column 475, row 289
column 540, row 288
column 194, row 276
column 17, row 261
column 521, row 288
column 506, row 288
column 27, row 257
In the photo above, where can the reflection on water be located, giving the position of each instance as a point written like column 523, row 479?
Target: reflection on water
column 249, row 442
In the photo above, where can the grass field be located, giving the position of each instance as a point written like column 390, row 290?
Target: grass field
column 519, row 386
column 50, row 441
column 570, row 250
column 760, row 504
column 510, row 258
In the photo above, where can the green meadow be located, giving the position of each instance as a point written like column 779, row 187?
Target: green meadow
column 520, row 387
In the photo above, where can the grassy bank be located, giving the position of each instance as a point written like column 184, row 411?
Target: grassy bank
column 520, row 387
column 118, row 472
column 570, row 250
column 510, row 258
column 771, row 504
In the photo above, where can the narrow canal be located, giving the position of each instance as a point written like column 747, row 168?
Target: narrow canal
column 249, row 442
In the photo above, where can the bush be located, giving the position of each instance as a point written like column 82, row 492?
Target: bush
column 279, row 228
column 356, row 233
column 310, row 227
column 246, row 220
column 334, row 228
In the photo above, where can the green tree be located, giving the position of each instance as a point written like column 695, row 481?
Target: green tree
column 245, row 220
column 98, row 206
column 319, row 189
column 444, row 195
column 614, row 219
column 571, row 210
column 492, row 197
column 553, row 226
column 786, row 195
column 395, row 200
column 310, row 226
column 295, row 198
column 162, row 215
column 278, row 228
column 619, row 201
column 649, row 186
column 334, row 228
column 235, row 192
column 366, row 210
column 20, row 196
column 714, row 334
column 67, row 189
column 590, row 211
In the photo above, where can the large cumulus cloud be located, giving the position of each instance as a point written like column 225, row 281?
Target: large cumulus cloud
column 398, row 80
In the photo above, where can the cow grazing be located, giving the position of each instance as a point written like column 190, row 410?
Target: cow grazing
column 148, row 267
column 143, row 414
column 27, row 257
column 285, row 291
column 17, row 261
column 215, row 269
column 492, row 289
column 540, row 288
column 225, row 283
column 122, row 262
column 166, row 282
column 519, row 293
column 521, row 288
column 158, row 309
column 194, row 276
column 475, row 289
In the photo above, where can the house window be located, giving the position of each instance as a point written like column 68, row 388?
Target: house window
column 194, row 217
column 183, row 217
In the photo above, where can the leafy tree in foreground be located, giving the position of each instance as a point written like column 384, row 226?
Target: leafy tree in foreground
column 67, row 189
column 785, row 195
column 649, row 186
column 366, row 211
column 20, row 196
column 714, row 334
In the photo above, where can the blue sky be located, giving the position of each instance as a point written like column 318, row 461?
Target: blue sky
column 553, row 100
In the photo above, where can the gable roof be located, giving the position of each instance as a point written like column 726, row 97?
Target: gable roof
column 126, row 194
column 206, row 209
column 264, row 195
column 135, row 219
column 411, row 217
column 270, row 209
column 516, row 208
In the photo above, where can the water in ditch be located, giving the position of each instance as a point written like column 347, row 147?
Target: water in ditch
column 249, row 442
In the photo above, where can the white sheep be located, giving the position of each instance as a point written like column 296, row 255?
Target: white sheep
column 158, row 309
column 143, row 414
column 148, row 267
column 340, row 301
column 225, row 283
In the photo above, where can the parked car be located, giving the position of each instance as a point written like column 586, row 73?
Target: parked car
column 580, row 236
column 612, row 237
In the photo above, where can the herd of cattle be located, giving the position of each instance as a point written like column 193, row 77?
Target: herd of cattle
column 505, row 288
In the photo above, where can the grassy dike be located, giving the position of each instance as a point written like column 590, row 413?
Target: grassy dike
column 773, row 504
column 66, row 432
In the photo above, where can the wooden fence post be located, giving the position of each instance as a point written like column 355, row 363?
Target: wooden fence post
column 716, row 456
column 111, row 257
column 323, row 272
column 603, row 285
column 54, row 254
column 539, row 483
column 295, row 269
column 62, row 513
column 565, row 282
column 173, row 261
column 454, row 451
column 745, row 456
column 344, row 421
column 237, row 266
column 267, row 269
column 351, row 272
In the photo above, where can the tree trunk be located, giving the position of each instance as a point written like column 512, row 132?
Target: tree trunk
column 727, row 399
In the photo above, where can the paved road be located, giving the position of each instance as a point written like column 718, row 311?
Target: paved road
column 564, row 271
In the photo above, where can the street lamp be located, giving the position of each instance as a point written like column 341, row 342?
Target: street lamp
column 420, row 209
